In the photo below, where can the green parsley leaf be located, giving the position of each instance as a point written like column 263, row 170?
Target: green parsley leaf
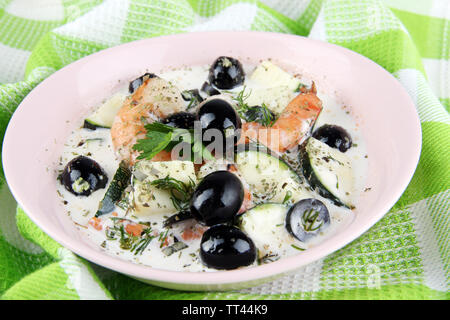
column 152, row 144
column 163, row 137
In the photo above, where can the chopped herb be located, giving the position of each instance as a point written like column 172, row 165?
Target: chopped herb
column 136, row 244
column 297, row 248
column 287, row 197
column 163, row 237
column 242, row 106
column 145, row 239
column 126, row 240
column 180, row 192
column 261, row 114
column 309, row 219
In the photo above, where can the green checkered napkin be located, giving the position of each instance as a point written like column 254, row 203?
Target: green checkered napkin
column 404, row 256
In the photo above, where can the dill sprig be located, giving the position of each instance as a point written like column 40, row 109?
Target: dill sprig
column 163, row 237
column 180, row 192
column 242, row 106
column 136, row 244
column 126, row 240
column 261, row 114
column 309, row 219
column 145, row 238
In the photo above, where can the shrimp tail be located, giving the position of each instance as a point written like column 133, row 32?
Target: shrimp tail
column 291, row 128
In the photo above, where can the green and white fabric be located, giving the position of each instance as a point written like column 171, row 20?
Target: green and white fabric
column 404, row 256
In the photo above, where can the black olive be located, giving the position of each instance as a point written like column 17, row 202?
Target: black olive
column 189, row 95
column 193, row 96
column 334, row 136
column 226, row 247
column 177, row 217
column 183, row 120
column 262, row 115
column 136, row 83
column 209, row 89
column 219, row 114
column 217, row 198
column 306, row 218
column 226, row 73
column 82, row 176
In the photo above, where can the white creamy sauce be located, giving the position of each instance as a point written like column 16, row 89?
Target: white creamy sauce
column 97, row 145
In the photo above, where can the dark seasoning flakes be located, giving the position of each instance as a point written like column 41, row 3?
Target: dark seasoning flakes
column 291, row 157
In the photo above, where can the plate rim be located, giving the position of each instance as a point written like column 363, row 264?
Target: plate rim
column 228, row 277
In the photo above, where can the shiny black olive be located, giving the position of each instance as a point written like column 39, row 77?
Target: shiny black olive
column 183, row 120
column 217, row 198
column 226, row 73
column 82, row 176
column 177, row 217
column 306, row 218
column 220, row 115
column 260, row 114
column 189, row 95
column 209, row 89
column 136, row 83
column 334, row 136
column 226, row 247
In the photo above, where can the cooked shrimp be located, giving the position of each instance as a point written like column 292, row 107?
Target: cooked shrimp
column 155, row 98
column 291, row 128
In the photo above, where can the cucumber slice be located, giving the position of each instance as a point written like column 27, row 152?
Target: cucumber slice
column 269, row 177
column 269, row 75
column 118, row 184
column 276, row 98
column 149, row 200
column 265, row 225
column 328, row 171
column 103, row 117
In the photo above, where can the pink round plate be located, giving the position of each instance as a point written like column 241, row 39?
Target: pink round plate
column 41, row 124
